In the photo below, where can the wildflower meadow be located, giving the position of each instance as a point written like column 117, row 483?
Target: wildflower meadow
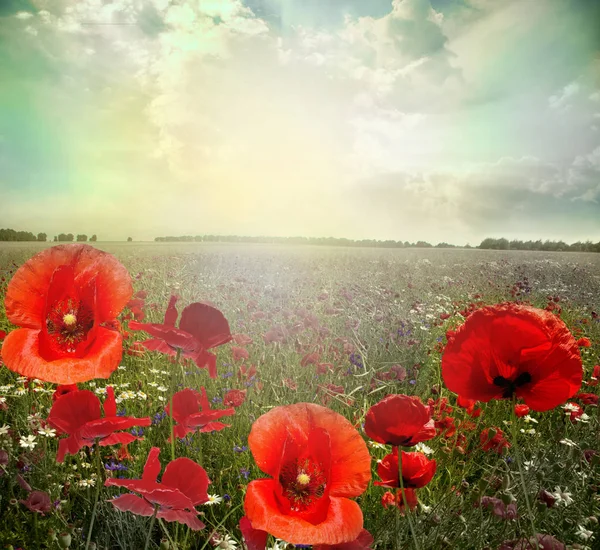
column 199, row 396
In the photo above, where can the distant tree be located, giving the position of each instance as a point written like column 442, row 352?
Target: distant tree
column 42, row 237
column 93, row 239
column 70, row 237
column 82, row 238
column 129, row 239
column 55, row 238
column 62, row 237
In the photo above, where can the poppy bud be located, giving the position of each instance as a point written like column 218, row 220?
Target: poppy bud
column 547, row 498
column 64, row 540
column 164, row 544
column 507, row 498
column 505, row 483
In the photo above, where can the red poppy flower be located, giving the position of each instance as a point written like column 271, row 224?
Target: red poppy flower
column 63, row 390
column 587, row 398
column 61, row 298
column 234, row 398
column 470, row 405
column 584, row 343
column 201, row 328
column 539, row 542
column 242, row 339
column 396, row 499
column 316, row 459
column 521, row 410
column 512, row 349
column 2, row 335
column 492, row 439
column 78, row 415
column 239, row 354
column 38, row 501
column 399, row 420
column 192, row 412
column 183, row 487
column 417, row 470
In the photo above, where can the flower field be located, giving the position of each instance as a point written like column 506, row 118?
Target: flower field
column 199, row 396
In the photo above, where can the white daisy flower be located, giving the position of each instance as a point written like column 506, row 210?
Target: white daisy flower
column 213, row 499
column 47, row 432
column 562, row 496
column 28, row 442
column 4, row 429
column 583, row 533
column 225, row 543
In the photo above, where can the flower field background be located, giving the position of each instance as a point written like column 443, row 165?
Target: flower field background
column 341, row 328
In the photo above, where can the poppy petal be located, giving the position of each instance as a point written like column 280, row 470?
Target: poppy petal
column 134, row 504
column 343, row 522
column 171, row 313
column 21, row 354
column 362, row 542
column 73, row 410
column 26, row 293
column 186, row 518
column 206, row 323
column 255, row 539
column 110, row 404
column 123, row 438
column 350, row 459
column 172, row 336
column 152, row 466
column 189, row 477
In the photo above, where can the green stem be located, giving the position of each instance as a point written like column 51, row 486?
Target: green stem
column 222, row 522
column 149, row 535
column 166, row 531
column 515, row 444
column 408, row 512
column 97, row 495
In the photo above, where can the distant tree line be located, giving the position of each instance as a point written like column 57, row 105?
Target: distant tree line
column 548, row 246
column 12, row 235
column 325, row 241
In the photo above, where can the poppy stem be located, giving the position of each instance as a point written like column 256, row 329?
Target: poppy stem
column 521, row 474
column 173, row 387
column 97, row 495
column 166, row 531
column 149, row 535
column 407, row 509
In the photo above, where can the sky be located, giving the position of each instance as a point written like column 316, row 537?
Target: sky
column 436, row 120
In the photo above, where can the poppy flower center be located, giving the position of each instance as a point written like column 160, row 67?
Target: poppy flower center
column 68, row 324
column 303, row 482
column 511, row 386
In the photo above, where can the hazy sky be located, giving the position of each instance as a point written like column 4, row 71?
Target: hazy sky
column 442, row 120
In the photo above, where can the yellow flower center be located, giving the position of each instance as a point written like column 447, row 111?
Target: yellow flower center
column 303, row 479
column 69, row 319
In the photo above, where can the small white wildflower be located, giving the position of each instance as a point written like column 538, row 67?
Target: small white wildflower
column 568, row 442
column 21, row 379
column 583, row 533
column 164, row 372
column 531, row 431
column 529, row 419
column 87, row 483
column 225, row 543
column 4, row 429
column 375, row 445
column 20, row 391
column 121, row 367
column 421, row 447
column 124, row 385
column 2, row 400
column 92, row 384
column 142, row 395
column 161, row 398
column 507, row 422
column 153, row 384
column 161, row 388
column 28, row 442
column 562, row 496
column 584, row 419
column 100, row 391
column 47, row 432
column 570, row 407
column 213, row 499
column 154, row 371
column 86, row 465
column 7, row 388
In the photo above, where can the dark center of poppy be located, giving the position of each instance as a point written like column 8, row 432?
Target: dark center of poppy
column 303, row 482
column 510, row 386
column 68, row 324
